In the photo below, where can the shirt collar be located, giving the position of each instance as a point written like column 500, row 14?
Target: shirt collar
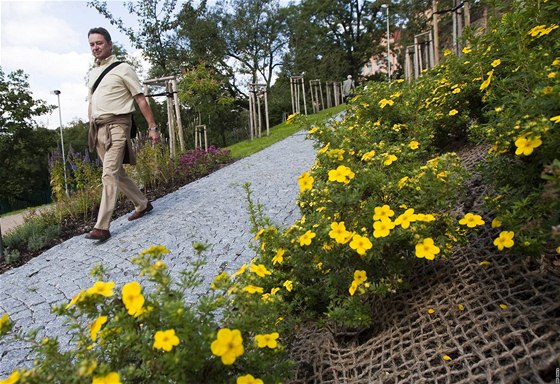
column 107, row 60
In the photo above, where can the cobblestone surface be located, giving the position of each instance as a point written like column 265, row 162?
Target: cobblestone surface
column 211, row 210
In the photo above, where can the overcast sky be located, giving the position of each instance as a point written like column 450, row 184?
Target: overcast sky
column 48, row 41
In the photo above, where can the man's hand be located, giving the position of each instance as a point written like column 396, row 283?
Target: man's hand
column 154, row 135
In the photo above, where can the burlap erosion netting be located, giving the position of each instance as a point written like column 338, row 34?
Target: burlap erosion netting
column 507, row 332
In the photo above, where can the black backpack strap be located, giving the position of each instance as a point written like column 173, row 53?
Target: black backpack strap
column 107, row 70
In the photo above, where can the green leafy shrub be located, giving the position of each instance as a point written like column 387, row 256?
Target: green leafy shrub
column 384, row 190
column 145, row 332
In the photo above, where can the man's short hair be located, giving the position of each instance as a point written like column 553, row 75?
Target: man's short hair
column 101, row 31
column 349, row 76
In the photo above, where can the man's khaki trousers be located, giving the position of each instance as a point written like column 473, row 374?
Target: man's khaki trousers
column 114, row 177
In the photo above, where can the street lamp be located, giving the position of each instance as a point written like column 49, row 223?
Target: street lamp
column 57, row 93
column 386, row 6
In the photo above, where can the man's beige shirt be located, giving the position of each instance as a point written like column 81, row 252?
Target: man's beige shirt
column 115, row 93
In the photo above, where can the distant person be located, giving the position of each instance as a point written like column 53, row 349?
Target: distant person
column 110, row 108
column 348, row 88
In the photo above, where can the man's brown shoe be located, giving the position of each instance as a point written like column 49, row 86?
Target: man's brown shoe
column 98, row 234
column 137, row 215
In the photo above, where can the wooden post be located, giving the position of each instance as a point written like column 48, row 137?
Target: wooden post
column 1, row 244
column 436, row 31
column 199, row 131
column 178, row 114
column 298, row 93
column 173, row 111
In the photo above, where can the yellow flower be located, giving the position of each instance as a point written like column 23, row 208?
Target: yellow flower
column 260, row 270
column 76, row 299
column 252, row 289
column 228, row 345
column 248, row 379
column 426, row 249
column 504, row 240
column 288, row 285
column 267, row 340
column 339, row 233
column 406, row 218
column 360, row 244
column 425, row 217
column 305, row 182
column 382, row 228
column 486, row 82
column 461, row 307
column 552, row 75
column 157, row 249
column 279, row 257
column 240, row 271
column 110, row 378
column 456, row 90
column 360, row 276
column 555, row 119
column 467, row 50
column 453, row 112
column 446, row 52
column 384, row 212
column 484, row 264
column 496, row 62
column 503, row 306
column 402, row 181
column 542, row 30
column 95, row 327
column 291, row 118
column 384, row 102
column 389, row 159
column 496, row 223
column 556, row 62
column 431, row 311
column 353, row 287
column 446, row 357
column 341, row 174
column 4, row 322
column 471, row 220
column 12, row 379
column 525, row 146
column 306, row 238
column 368, row 155
column 102, row 288
column 132, row 298
column 165, row 340
column 413, row 144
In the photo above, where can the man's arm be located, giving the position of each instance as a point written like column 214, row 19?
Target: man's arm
column 148, row 115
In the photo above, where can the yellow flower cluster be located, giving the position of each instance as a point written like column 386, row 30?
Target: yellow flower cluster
column 360, row 277
column 228, row 345
column 342, row 174
column 542, row 30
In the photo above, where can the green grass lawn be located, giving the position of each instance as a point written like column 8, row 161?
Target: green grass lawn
column 280, row 132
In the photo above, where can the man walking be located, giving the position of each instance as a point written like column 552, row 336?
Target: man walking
column 110, row 107
column 348, row 88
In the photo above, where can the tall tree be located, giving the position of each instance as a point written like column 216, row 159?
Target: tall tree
column 24, row 147
column 332, row 38
column 255, row 33
column 155, row 34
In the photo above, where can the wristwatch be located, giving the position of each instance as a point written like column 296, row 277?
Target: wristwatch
column 152, row 129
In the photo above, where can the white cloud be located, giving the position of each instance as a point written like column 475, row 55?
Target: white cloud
column 48, row 41
column 29, row 24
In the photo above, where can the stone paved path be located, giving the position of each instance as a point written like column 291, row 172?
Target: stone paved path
column 211, row 210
